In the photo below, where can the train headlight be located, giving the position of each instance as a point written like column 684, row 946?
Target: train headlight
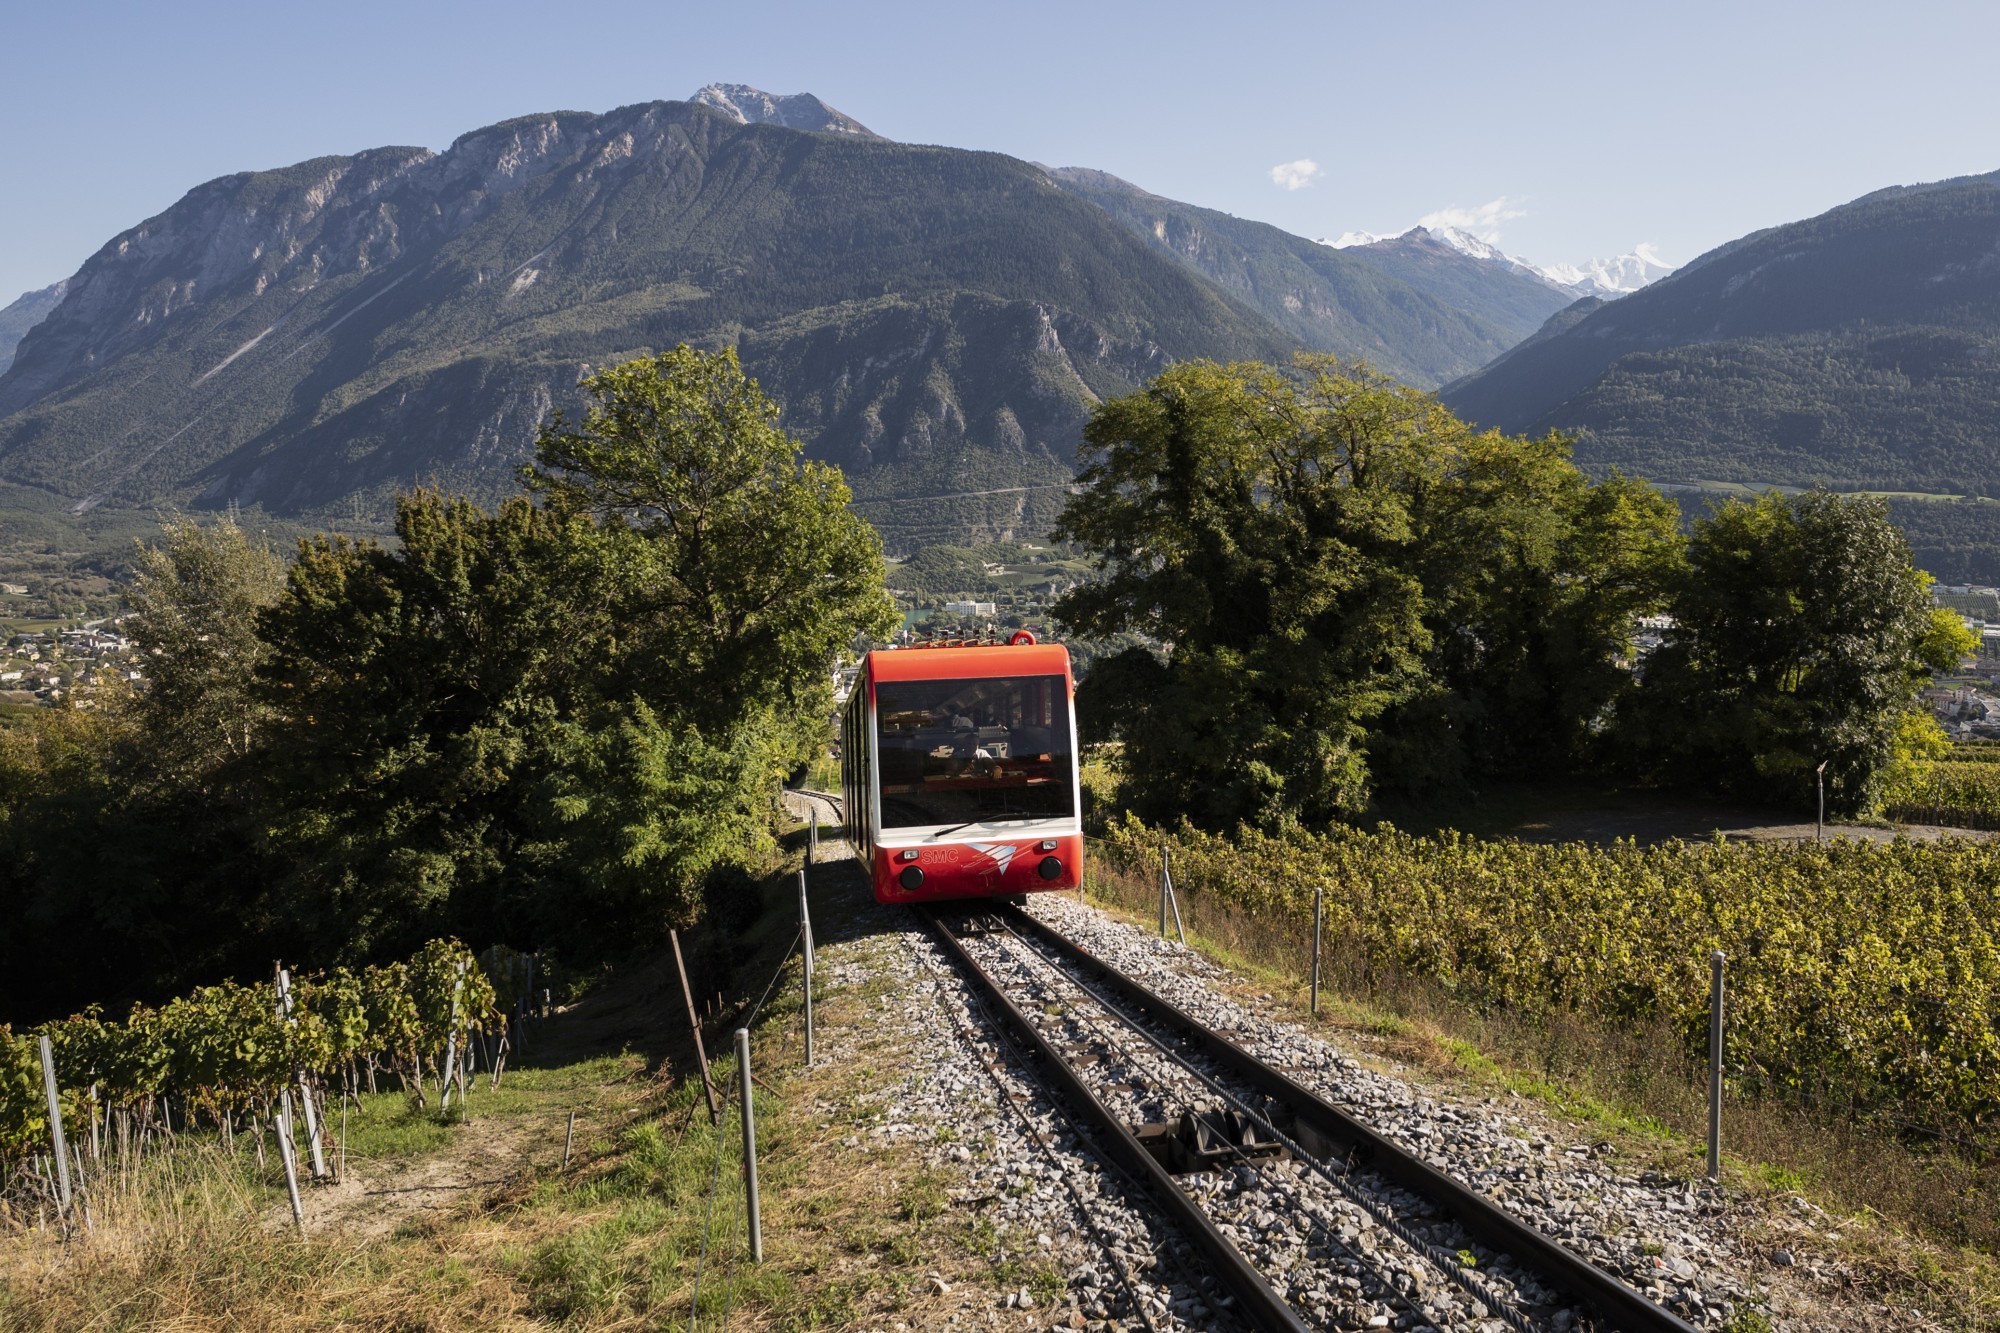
column 909, row 854
column 1048, row 845
column 912, row 877
column 1051, row 868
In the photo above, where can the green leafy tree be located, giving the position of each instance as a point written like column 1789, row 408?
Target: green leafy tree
column 1247, row 524
column 1349, row 589
column 748, row 574
column 550, row 722
column 417, row 696
column 1534, row 580
column 1801, row 636
column 195, row 598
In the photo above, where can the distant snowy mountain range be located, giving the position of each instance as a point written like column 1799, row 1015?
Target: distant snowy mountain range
column 1596, row 277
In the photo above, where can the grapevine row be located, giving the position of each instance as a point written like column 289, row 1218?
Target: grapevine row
column 1870, row 971
column 220, row 1053
column 1963, row 791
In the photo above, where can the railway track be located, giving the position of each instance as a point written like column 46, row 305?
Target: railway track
column 826, row 803
column 1148, row 1080
column 1306, row 1217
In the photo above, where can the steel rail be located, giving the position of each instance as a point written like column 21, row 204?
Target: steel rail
column 1446, row 1262
column 1480, row 1217
column 1256, row 1300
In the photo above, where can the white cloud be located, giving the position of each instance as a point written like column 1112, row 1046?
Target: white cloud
column 1295, row 175
column 1483, row 221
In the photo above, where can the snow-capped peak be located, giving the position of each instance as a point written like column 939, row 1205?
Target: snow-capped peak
column 1467, row 244
column 1594, row 277
column 795, row 111
column 1615, row 276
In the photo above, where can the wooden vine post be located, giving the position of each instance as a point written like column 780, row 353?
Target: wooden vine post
column 694, row 1028
column 451, row 1062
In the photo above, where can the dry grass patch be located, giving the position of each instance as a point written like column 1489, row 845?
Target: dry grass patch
column 438, row 1229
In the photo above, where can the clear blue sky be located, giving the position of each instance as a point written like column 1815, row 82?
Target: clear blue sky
column 1601, row 125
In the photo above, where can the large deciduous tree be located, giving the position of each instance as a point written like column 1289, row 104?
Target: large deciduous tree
column 1801, row 636
column 195, row 597
column 550, row 722
column 747, row 572
column 1350, row 589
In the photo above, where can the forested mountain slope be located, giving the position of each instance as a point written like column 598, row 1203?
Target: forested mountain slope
column 938, row 322
column 1860, row 348
column 1423, row 315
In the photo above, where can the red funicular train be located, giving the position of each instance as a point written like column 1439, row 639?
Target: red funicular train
column 959, row 765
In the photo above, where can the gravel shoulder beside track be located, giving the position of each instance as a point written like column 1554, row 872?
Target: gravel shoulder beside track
column 1050, row 1210
column 1713, row 1257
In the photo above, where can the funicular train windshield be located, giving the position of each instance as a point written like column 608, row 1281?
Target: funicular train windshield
column 955, row 751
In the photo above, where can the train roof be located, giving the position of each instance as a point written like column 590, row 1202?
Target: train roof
column 1028, row 659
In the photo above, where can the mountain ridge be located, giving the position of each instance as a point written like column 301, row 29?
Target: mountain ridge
column 1842, row 267
column 351, row 324
column 938, row 321
column 22, row 314
column 1858, row 349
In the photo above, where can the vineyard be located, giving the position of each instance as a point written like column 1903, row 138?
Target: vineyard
column 1863, row 975
column 233, row 1058
column 1962, row 790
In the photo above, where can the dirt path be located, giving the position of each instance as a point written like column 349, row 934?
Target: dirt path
column 1699, row 823
column 1535, row 813
column 483, row 1155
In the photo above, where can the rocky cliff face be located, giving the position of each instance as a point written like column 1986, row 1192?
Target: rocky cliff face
column 314, row 338
column 28, row 310
column 271, row 239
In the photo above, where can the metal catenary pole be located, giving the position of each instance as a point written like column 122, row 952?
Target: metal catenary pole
column 806, row 932
column 55, row 1121
column 694, row 1028
column 749, row 1147
column 1715, row 996
column 1163, row 891
column 1174, row 901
